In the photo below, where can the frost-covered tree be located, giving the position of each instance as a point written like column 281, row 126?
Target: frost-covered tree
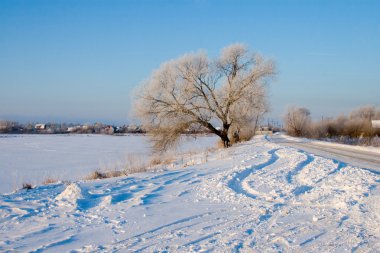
column 297, row 121
column 363, row 113
column 196, row 91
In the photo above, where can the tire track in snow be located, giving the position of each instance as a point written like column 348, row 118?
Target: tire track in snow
column 340, row 165
column 276, row 188
column 171, row 226
column 300, row 166
column 236, row 182
column 55, row 243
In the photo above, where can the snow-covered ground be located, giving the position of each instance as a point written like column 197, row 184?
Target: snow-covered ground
column 35, row 158
column 258, row 196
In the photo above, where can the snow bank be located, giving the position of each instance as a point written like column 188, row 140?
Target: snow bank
column 70, row 195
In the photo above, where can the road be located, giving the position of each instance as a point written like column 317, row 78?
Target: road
column 360, row 158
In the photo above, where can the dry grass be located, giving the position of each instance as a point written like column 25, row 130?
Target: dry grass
column 137, row 163
column 96, row 175
column 108, row 174
column 219, row 144
column 205, row 157
column 134, row 164
column 155, row 161
column 116, row 173
column 49, row 181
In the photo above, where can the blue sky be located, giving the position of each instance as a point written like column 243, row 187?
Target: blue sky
column 80, row 60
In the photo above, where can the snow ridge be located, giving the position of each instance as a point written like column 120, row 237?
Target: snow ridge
column 70, row 195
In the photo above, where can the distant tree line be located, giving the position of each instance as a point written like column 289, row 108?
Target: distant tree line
column 13, row 127
column 355, row 128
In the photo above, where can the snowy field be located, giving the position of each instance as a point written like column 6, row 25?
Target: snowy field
column 34, row 158
column 255, row 197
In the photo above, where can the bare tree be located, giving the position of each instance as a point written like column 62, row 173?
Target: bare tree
column 248, row 115
column 7, row 126
column 377, row 114
column 196, row 91
column 363, row 113
column 297, row 120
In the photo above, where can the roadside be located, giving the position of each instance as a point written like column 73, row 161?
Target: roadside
column 368, row 158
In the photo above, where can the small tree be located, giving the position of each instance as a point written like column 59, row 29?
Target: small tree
column 361, row 118
column 196, row 91
column 377, row 114
column 363, row 113
column 297, row 121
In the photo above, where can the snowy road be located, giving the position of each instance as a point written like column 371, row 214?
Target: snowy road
column 345, row 153
column 258, row 196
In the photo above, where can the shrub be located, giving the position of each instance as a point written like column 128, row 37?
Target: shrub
column 27, row 186
column 355, row 129
column 96, row 175
column 297, row 121
column 160, row 160
column 49, row 181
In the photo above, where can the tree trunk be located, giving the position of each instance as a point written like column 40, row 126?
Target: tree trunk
column 224, row 135
column 225, row 139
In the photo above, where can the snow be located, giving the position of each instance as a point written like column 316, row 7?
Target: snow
column 375, row 150
column 257, row 196
column 70, row 195
column 35, row 158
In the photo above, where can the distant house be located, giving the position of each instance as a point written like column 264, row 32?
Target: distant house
column 264, row 130
column 134, row 129
column 73, row 129
column 120, row 129
column 40, row 126
column 109, row 129
column 131, row 128
column 376, row 124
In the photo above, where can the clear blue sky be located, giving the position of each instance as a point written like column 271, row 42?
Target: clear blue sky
column 79, row 61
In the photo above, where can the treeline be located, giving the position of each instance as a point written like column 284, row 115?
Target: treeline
column 12, row 127
column 355, row 128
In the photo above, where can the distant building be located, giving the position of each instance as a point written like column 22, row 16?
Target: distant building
column 376, row 124
column 109, row 130
column 73, row 129
column 264, row 130
column 40, row 126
